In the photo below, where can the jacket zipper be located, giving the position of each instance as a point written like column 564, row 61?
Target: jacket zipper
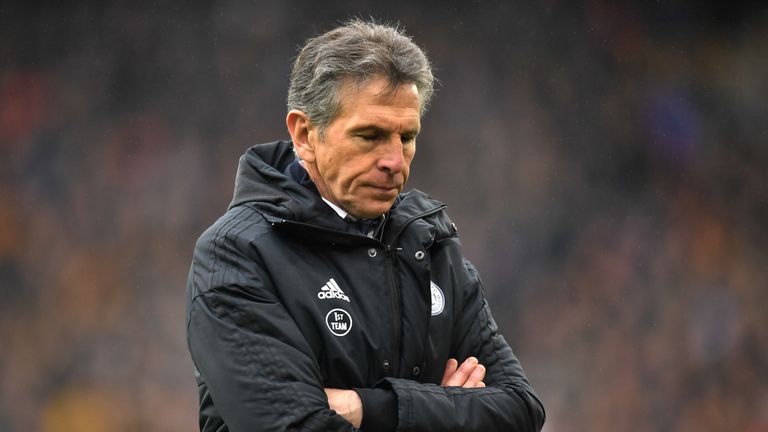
column 396, row 312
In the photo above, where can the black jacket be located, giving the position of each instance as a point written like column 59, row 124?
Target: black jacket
column 285, row 298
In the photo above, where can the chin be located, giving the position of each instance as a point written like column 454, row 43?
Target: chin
column 371, row 212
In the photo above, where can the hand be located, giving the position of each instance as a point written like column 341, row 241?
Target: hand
column 347, row 404
column 469, row 375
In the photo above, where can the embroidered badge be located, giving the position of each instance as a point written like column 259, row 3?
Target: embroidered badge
column 438, row 299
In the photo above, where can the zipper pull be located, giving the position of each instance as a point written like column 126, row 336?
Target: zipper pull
column 391, row 255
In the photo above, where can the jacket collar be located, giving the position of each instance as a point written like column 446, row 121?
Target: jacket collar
column 262, row 183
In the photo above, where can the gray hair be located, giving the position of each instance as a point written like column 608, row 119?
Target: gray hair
column 355, row 52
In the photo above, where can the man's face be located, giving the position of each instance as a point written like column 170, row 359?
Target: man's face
column 362, row 162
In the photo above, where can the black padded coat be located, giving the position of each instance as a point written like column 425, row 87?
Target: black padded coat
column 285, row 298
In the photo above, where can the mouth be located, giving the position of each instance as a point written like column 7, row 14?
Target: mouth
column 384, row 188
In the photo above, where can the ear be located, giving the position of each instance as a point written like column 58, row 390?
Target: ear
column 303, row 133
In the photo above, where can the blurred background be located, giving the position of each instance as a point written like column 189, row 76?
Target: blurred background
column 606, row 164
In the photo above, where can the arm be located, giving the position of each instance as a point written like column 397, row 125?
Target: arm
column 507, row 402
column 259, row 370
column 348, row 404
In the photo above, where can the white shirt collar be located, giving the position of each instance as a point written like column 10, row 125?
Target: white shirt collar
column 339, row 211
column 348, row 217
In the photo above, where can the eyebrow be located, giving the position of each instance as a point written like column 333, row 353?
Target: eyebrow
column 380, row 130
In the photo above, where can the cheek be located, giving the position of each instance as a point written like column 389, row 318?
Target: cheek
column 329, row 164
column 408, row 158
column 341, row 175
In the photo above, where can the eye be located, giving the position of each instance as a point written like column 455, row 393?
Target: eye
column 369, row 137
column 408, row 139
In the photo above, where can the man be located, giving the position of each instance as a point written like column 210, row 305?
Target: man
column 326, row 299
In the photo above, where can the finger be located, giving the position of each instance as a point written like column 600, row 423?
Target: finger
column 450, row 369
column 481, row 384
column 475, row 377
column 462, row 373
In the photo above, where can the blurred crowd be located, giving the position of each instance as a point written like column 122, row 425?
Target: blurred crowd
column 606, row 164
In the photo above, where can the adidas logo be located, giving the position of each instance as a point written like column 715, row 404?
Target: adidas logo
column 331, row 290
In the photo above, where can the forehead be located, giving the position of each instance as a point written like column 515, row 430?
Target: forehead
column 378, row 99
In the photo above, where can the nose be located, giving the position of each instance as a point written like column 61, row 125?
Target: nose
column 392, row 159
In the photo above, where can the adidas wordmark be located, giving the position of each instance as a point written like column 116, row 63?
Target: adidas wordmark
column 331, row 290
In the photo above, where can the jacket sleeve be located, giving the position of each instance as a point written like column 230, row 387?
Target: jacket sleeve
column 507, row 403
column 258, row 368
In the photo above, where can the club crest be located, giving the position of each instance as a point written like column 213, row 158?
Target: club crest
column 438, row 299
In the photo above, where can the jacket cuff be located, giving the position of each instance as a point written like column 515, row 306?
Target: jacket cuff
column 379, row 409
